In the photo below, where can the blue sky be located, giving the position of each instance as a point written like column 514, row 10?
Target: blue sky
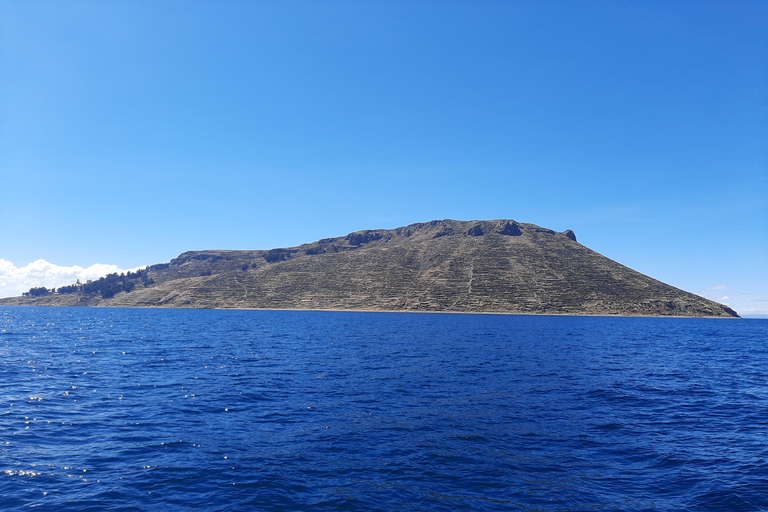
column 131, row 131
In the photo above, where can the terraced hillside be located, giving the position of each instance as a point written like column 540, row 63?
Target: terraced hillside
column 447, row 265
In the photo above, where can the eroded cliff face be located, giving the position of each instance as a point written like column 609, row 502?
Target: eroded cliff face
column 464, row 266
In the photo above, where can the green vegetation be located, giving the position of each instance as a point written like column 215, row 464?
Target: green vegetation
column 72, row 288
column 107, row 286
column 37, row 292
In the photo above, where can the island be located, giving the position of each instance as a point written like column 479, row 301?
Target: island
column 479, row 266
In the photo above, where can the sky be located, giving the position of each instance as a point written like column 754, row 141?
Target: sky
column 132, row 131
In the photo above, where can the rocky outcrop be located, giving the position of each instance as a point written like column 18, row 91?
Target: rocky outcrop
column 476, row 230
column 510, row 229
column 497, row 266
column 363, row 237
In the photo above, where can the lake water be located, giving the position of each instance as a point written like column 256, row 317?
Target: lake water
column 131, row 409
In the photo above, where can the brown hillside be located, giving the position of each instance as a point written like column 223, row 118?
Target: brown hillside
column 463, row 266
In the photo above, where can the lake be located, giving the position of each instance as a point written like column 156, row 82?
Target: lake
column 142, row 409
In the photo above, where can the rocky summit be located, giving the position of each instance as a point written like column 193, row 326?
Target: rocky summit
column 495, row 266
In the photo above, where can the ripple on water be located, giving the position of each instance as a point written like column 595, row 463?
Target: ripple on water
column 226, row 410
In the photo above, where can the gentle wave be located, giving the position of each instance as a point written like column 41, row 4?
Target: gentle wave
column 115, row 409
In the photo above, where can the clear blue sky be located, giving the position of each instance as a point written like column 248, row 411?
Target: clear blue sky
column 131, row 131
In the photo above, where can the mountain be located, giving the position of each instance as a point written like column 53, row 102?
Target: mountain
column 499, row 266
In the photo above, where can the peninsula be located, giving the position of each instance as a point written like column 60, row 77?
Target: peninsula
column 493, row 266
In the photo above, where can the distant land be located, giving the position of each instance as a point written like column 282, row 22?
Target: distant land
column 493, row 266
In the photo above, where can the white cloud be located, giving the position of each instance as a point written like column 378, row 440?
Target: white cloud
column 16, row 280
column 744, row 303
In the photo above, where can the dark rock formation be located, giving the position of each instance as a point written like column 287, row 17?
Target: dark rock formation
column 475, row 230
column 478, row 266
column 363, row 237
column 444, row 232
column 570, row 234
column 511, row 229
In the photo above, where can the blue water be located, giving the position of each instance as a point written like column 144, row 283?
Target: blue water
column 129, row 409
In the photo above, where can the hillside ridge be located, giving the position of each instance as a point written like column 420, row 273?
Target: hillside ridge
column 478, row 266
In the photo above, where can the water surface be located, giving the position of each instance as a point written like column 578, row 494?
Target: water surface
column 133, row 409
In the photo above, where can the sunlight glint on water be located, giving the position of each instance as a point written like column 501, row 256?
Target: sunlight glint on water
column 228, row 410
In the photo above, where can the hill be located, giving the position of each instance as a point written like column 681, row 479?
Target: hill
column 447, row 265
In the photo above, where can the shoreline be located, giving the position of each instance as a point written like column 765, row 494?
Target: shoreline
column 339, row 310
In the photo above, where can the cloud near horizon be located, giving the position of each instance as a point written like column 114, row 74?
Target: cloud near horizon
column 16, row 280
